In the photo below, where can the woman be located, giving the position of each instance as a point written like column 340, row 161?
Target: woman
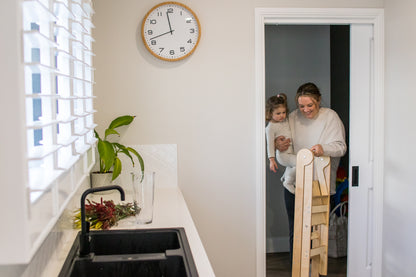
column 318, row 129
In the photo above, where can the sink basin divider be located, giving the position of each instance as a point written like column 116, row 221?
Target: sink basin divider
column 129, row 257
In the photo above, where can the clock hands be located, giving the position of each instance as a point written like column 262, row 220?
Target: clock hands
column 171, row 31
column 170, row 27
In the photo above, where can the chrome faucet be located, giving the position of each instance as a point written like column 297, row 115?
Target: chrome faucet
column 84, row 239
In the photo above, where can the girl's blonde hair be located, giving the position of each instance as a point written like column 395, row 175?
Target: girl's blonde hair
column 275, row 102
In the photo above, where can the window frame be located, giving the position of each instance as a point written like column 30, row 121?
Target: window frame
column 30, row 219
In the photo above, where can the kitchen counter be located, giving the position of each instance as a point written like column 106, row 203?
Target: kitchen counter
column 170, row 210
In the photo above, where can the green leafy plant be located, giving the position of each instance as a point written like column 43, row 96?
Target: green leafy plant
column 108, row 151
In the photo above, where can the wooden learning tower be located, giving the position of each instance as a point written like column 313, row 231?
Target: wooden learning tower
column 312, row 207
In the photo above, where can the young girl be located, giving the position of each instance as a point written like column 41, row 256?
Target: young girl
column 278, row 125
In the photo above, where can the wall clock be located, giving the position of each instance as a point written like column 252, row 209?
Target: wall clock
column 171, row 31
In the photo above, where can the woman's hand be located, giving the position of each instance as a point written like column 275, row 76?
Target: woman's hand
column 317, row 150
column 281, row 143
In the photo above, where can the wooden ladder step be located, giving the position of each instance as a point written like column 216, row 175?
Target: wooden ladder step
column 319, row 209
column 319, row 218
column 317, row 251
column 315, row 235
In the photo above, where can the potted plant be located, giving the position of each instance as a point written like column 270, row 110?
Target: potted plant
column 110, row 164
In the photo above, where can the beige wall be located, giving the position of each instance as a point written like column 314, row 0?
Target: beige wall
column 399, row 240
column 205, row 105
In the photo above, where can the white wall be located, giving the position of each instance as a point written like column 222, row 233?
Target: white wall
column 212, row 119
column 399, row 240
column 205, row 105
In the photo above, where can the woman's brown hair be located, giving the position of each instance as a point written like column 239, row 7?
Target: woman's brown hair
column 308, row 89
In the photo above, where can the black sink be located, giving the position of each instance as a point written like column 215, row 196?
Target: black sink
column 135, row 241
column 143, row 252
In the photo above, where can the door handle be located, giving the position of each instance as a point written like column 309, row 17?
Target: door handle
column 355, row 176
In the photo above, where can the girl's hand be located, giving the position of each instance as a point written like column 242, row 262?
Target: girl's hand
column 317, row 150
column 273, row 165
column 281, row 143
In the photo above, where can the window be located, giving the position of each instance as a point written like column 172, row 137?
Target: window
column 58, row 88
column 47, row 151
column 55, row 66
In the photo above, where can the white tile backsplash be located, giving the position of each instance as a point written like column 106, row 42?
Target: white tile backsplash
column 160, row 158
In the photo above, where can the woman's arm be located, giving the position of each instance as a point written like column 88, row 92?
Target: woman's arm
column 281, row 143
column 334, row 144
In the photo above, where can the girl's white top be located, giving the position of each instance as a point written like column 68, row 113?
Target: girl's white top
column 273, row 130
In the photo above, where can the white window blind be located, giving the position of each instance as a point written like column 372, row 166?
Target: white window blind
column 58, row 71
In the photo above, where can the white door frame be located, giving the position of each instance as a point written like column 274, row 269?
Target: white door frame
column 310, row 16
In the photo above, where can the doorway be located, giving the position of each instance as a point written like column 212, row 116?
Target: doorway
column 371, row 188
column 297, row 54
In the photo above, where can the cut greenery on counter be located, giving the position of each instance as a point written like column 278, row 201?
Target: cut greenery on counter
column 105, row 214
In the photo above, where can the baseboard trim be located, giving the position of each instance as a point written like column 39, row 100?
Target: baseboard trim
column 277, row 244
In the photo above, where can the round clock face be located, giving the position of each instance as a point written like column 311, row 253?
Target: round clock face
column 171, row 31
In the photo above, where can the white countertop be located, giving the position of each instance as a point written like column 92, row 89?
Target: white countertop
column 170, row 210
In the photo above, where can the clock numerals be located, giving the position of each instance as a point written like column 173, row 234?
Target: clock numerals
column 171, row 31
column 162, row 14
column 172, row 51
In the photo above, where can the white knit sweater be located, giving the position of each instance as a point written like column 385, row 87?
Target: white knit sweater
column 325, row 129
